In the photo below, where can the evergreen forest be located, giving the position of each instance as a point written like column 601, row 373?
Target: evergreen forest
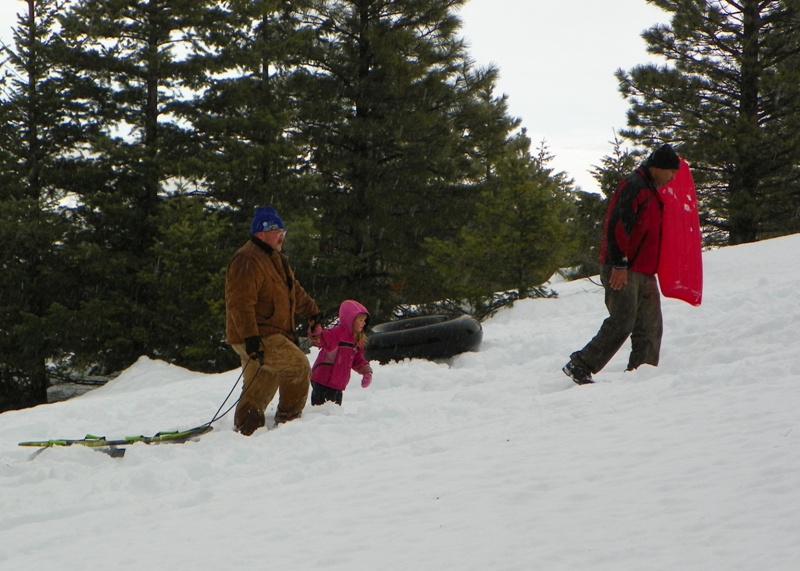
column 137, row 137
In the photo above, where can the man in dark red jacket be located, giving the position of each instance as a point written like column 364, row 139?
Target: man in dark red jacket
column 629, row 258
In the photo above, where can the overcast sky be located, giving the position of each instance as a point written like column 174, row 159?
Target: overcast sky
column 557, row 61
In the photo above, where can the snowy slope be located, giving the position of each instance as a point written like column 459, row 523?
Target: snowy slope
column 494, row 460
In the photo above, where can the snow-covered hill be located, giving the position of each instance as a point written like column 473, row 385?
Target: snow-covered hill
column 494, row 460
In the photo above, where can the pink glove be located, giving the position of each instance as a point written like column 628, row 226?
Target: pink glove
column 366, row 380
column 314, row 333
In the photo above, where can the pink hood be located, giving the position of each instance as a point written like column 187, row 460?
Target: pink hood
column 348, row 311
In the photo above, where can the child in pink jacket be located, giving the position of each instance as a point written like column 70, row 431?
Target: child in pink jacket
column 341, row 350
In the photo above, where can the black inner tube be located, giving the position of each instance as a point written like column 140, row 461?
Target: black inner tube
column 427, row 337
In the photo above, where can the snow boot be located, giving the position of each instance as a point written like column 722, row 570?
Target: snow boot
column 577, row 373
column 249, row 420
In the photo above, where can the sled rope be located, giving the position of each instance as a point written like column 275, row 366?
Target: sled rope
column 218, row 416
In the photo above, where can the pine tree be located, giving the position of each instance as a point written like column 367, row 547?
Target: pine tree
column 245, row 117
column 730, row 99
column 190, row 280
column 249, row 151
column 34, row 139
column 128, row 69
column 390, row 89
column 517, row 237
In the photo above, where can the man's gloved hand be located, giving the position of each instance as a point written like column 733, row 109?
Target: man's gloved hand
column 314, row 320
column 314, row 328
column 254, row 349
column 366, row 380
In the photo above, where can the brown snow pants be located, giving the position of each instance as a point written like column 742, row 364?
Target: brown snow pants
column 633, row 311
column 286, row 370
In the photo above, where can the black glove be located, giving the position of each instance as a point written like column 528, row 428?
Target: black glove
column 252, row 346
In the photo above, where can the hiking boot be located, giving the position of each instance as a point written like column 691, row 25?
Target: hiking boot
column 577, row 373
column 282, row 417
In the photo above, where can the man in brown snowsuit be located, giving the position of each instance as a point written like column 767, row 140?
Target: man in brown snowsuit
column 262, row 297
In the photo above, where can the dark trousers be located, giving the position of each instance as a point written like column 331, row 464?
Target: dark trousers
column 321, row 394
column 633, row 311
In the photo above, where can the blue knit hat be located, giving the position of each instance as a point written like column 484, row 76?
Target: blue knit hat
column 266, row 219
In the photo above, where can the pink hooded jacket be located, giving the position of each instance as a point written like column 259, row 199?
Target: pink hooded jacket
column 338, row 351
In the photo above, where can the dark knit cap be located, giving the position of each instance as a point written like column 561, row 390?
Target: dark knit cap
column 266, row 219
column 664, row 157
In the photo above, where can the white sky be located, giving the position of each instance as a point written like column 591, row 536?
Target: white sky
column 557, row 61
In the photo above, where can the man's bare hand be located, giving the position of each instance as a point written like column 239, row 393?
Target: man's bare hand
column 618, row 279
